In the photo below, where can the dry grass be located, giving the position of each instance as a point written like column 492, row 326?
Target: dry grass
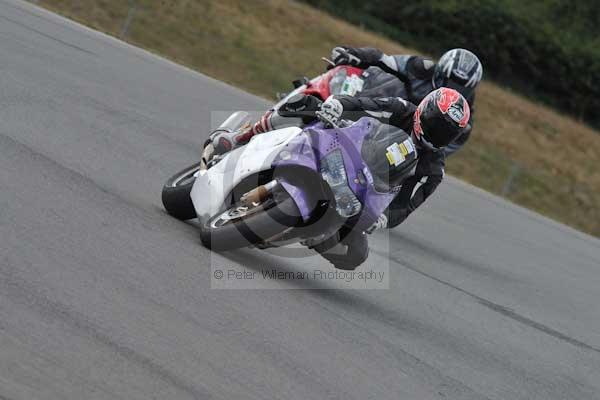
column 262, row 45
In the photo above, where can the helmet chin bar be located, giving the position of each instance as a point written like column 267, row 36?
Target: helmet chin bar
column 428, row 146
column 422, row 143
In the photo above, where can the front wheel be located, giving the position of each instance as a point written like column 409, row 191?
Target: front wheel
column 176, row 193
column 241, row 226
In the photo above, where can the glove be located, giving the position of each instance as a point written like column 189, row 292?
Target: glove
column 301, row 105
column 331, row 111
column 357, row 57
column 381, row 223
column 344, row 56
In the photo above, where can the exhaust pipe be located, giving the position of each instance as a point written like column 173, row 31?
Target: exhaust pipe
column 259, row 194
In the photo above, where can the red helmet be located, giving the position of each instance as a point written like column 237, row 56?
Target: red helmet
column 440, row 118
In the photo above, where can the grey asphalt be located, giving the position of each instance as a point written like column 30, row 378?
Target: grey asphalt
column 104, row 296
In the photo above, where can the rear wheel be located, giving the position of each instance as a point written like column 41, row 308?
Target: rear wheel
column 242, row 225
column 176, row 193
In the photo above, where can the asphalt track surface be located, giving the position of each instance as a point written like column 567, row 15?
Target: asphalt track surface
column 104, row 296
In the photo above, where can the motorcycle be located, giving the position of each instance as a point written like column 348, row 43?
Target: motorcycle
column 295, row 184
column 348, row 80
column 337, row 80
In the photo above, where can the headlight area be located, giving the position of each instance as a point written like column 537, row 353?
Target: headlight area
column 334, row 173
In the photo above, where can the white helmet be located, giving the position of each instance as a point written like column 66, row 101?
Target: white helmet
column 458, row 69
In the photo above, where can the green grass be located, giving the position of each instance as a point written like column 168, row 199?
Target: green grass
column 262, row 45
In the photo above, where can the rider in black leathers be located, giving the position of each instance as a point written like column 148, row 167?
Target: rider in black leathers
column 439, row 119
column 430, row 168
column 457, row 69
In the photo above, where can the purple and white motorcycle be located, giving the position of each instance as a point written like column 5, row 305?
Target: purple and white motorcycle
column 293, row 185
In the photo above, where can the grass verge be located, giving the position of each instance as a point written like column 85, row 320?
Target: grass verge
column 262, row 45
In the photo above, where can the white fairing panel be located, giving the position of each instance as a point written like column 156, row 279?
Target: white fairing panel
column 211, row 187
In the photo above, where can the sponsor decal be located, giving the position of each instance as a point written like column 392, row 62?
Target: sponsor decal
column 403, row 149
column 466, row 115
column 408, row 144
column 448, row 103
column 396, row 153
column 456, row 114
column 352, row 85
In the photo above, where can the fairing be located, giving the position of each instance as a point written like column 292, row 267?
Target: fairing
column 211, row 187
column 308, row 148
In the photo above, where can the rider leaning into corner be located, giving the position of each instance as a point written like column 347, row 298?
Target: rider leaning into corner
column 457, row 69
column 440, row 118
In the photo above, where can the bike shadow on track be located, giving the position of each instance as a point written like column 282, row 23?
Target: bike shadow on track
column 354, row 300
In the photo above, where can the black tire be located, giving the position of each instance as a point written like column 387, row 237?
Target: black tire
column 176, row 194
column 271, row 219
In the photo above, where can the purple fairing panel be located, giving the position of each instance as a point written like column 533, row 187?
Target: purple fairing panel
column 300, row 198
column 374, row 205
column 310, row 147
column 298, row 152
